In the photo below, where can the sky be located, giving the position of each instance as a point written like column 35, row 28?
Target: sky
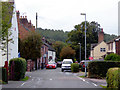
column 65, row 14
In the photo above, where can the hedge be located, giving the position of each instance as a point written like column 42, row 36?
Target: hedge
column 75, row 67
column 112, row 57
column 113, row 78
column 19, row 68
column 98, row 69
column 3, row 74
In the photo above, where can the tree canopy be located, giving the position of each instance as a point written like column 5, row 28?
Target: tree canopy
column 53, row 35
column 30, row 47
column 58, row 45
column 67, row 52
column 78, row 36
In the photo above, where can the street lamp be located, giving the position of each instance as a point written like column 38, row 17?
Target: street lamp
column 80, row 51
column 85, row 44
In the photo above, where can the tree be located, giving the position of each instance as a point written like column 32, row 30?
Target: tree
column 78, row 36
column 30, row 47
column 67, row 53
column 58, row 45
column 5, row 23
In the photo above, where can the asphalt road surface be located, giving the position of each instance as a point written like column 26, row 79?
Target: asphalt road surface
column 51, row 78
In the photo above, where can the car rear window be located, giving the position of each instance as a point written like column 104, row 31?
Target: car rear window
column 67, row 62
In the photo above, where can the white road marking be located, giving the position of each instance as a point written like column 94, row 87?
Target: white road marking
column 86, row 81
column 95, row 84
column 23, row 84
column 50, row 79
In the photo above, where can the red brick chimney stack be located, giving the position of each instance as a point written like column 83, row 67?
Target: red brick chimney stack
column 100, row 36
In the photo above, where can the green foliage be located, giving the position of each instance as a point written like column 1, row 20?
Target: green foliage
column 58, row 45
column 113, row 78
column 25, row 79
column 112, row 57
column 108, row 37
column 78, row 36
column 75, row 67
column 53, row 35
column 67, row 52
column 30, row 47
column 6, row 12
column 20, row 65
column 98, row 69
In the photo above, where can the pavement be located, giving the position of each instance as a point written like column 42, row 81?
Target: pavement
column 93, row 80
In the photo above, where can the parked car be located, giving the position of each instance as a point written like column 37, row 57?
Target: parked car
column 51, row 65
column 66, row 64
column 82, row 64
column 59, row 63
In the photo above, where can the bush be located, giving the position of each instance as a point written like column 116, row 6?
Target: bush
column 19, row 68
column 75, row 67
column 98, row 69
column 113, row 78
column 112, row 57
column 4, row 75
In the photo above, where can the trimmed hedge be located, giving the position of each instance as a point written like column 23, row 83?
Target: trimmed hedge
column 3, row 74
column 19, row 68
column 112, row 57
column 75, row 67
column 113, row 78
column 98, row 69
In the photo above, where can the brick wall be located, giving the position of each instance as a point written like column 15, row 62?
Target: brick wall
column 118, row 47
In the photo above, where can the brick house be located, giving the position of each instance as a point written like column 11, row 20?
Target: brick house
column 47, row 52
column 24, row 27
column 114, row 46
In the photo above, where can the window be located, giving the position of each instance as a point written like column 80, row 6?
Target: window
column 102, row 49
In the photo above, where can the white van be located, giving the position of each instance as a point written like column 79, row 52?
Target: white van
column 66, row 64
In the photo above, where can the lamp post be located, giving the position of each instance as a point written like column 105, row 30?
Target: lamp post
column 85, row 44
column 80, row 51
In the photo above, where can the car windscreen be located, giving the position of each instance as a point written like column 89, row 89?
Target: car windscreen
column 51, row 63
column 67, row 62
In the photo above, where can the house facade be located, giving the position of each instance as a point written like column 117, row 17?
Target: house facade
column 100, row 49
column 47, row 53
column 114, row 46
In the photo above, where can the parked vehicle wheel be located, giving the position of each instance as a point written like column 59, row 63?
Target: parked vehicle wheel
column 62, row 70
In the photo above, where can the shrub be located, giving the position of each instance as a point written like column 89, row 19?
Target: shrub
column 19, row 68
column 75, row 67
column 4, row 75
column 112, row 57
column 98, row 69
column 113, row 78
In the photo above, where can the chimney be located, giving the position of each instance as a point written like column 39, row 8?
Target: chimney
column 18, row 14
column 100, row 36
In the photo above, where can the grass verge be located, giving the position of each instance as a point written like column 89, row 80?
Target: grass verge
column 82, row 76
column 103, row 86
column 2, row 82
column 25, row 79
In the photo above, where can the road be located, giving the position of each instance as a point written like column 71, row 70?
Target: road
column 51, row 78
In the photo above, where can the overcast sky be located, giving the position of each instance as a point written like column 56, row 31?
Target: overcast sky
column 65, row 14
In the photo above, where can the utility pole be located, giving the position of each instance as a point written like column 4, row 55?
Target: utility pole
column 36, row 19
column 85, row 44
